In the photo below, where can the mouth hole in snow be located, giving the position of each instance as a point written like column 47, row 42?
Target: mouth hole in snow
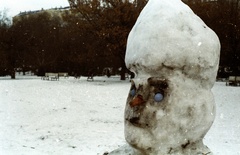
column 134, row 120
column 185, row 145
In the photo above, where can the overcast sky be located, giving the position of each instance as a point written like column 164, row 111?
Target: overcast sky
column 16, row 6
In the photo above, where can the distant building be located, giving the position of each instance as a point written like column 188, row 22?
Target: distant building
column 52, row 11
column 195, row 1
column 198, row 1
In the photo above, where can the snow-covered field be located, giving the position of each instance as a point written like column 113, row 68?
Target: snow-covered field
column 76, row 117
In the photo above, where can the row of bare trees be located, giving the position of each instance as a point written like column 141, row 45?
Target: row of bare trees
column 87, row 38
column 92, row 35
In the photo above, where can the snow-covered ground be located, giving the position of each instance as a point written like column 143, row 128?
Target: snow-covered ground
column 76, row 117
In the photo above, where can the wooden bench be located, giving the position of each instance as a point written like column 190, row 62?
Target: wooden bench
column 62, row 74
column 50, row 76
column 77, row 76
column 45, row 77
column 90, row 77
column 233, row 81
column 127, row 76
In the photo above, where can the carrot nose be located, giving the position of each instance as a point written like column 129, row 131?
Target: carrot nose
column 138, row 100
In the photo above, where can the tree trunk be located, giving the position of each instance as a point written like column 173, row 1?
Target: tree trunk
column 123, row 71
column 13, row 75
column 24, row 71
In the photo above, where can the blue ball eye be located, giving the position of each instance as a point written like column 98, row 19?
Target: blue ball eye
column 133, row 92
column 158, row 97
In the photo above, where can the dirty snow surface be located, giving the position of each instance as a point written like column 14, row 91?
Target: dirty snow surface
column 77, row 117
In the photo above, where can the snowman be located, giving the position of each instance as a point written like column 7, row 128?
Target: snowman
column 170, row 106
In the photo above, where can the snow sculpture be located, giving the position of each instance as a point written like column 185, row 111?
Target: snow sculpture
column 170, row 106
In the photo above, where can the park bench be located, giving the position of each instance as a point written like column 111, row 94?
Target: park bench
column 62, row 74
column 233, row 81
column 90, row 77
column 127, row 76
column 50, row 76
column 77, row 76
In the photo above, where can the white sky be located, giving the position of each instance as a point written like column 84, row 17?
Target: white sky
column 16, row 6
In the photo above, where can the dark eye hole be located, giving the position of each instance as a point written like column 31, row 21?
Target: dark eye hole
column 158, row 97
column 133, row 92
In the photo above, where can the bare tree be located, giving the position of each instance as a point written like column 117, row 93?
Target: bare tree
column 6, row 64
column 110, row 20
column 36, row 40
